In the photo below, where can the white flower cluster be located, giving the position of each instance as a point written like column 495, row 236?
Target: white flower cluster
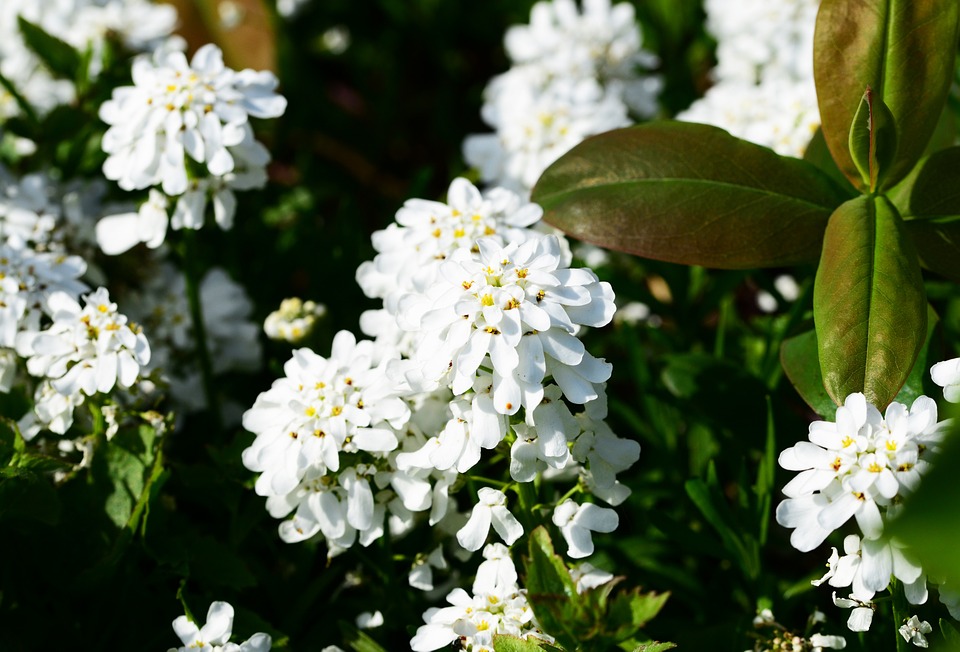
column 140, row 24
column 184, row 127
column 294, row 320
column 85, row 351
column 574, row 74
column 861, row 466
column 214, row 635
column 476, row 349
column 497, row 606
column 764, row 90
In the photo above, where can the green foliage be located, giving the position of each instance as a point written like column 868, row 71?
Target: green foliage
column 59, row 57
column 505, row 643
column 588, row 621
column 668, row 191
column 888, row 46
column 869, row 303
column 872, row 139
column 930, row 522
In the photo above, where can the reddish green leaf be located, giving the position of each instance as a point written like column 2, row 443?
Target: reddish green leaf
column 799, row 357
column 869, row 303
column 902, row 49
column 938, row 245
column 872, row 139
column 691, row 194
column 931, row 189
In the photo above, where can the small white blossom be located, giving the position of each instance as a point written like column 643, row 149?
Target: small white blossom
column 947, row 375
column 862, row 615
column 214, row 635
column 491, row 508
column 576, row 522
column 913, row 631
column 369, row 620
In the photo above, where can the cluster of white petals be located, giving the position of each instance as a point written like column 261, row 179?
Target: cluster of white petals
column 861, row 466
column 214, row 635
column 141, row 25
column 322, row 409
column 764, row 89
column 86, row 350
column 575, row 73
column 497, row 605
column 946, row 374
column 184, row 127
column 294, row 320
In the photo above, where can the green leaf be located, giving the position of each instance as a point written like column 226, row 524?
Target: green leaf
column 869, row 303
column 716, row 512
column 930, row 521
column 25, row 107
column 938, row 245
column 631, row 610
column 818, row 153
column 505, row 643
column 691, row 194
column 61, row 58
column 950, row 634
column 903, row 50
column 655, row 647
column 551, row 591
column 357, row 640
column 129, row 456
column 931, row 189
column 800, row 359
column 872, row 139
column 25, row 494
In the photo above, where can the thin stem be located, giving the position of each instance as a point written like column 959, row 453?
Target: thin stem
column 901, row 612
column 191, row 273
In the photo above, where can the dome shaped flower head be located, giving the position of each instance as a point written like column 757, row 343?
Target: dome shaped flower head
column 87, row 349
column 855, row 467
column 491, row 508
column 515, row 306
column 322, row 407
column 535, row 123
column 426, row 232
column 577, row 522
column 176, row 109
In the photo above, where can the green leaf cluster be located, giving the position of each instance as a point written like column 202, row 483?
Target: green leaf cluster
column 596, row 619
column 873, row 211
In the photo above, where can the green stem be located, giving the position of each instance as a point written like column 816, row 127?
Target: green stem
column 901, row 612
column 528, row 500
column 191, row 273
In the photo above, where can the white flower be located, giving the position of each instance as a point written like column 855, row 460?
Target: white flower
column 177, row 109
column 862, row 615
column 215, row 634
column 576, row 522
column 913, row 631
column 947, row 375
column 587, row 576
column 421, row 573
column 427, row 232
column 476, row 619
column 294, row 320
column 369, row 620
column 821, row 641
column 118, row 233
column 515, row 306
column 855, row 467
column 491, row 508
column 497, row 572
column 89, row 349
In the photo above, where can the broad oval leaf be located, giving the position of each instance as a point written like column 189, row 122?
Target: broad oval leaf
column 931, row 189
column 869, row 303
column 904, row 50
column 691, row 194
